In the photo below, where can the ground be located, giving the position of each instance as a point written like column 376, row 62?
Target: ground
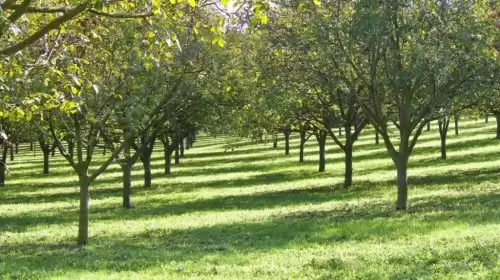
column 254, row 213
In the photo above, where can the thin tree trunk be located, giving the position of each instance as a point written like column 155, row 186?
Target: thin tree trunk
column 31, row 145
column 168, row 161
column 83, row 224
column 104, row 151
column 429, row 126
column 2, row 173
column 126, row 166
column 177, row 154
column 348, row 166
column 287, row 141
column 443, row 132
column 402, row 169
column 54, row 149
column 127, row 184
column 146, row 162
column 17, row 148
column 322, row 143
column 498, row 125
column 340, row 131
column 275, row 143
column 182, row 147
column 46, row 156
column 11, row 153
column 3, row 169
column 302, row 144
column 486, row 118
column 456, row 124
column 376, row 137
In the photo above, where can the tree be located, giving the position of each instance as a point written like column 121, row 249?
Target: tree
column 406, row 60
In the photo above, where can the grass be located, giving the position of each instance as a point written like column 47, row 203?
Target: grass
column 255, row 214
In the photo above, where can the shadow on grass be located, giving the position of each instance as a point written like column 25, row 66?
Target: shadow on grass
column 373, row 221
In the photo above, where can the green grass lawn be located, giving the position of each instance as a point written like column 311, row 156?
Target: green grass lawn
column 255, row 214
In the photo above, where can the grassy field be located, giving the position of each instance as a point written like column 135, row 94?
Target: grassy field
column 255, row 214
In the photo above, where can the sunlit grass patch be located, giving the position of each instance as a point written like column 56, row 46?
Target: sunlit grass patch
column 253, row 213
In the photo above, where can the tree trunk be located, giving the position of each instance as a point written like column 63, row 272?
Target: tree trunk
column 429, row 126
column 376, row 137
column 104, row 151
column 321, row 137
column 71, row 148
column 11, row 153
column 17, row 148
column 348, row 166
column 168, row 161
column 83, row 224
column 275, row 143
column 2, row 173
column 3, row 165
column 31, row 145
column 443, row 146
column 46, row 156
column 498, row 125
column 182, row 147
column 443, row 132
column 302, row 144
column 127, row 183
column 340, row 131
column 486, row 118
column 146, row 162
column 402, row 168
column 54, row 149
column 456, row 124
column 287, row 141
column 189, row 142
column 177, row 154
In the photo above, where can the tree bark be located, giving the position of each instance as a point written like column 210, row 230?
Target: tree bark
column 497, row 115
column 443, row 132
column 275, row 143
column 340, row 131
column 3, row 166
column 402, row 169
column 46, row 156
column 146, row 163
column 2, row 173
column 11, row 153
column 17, row 148
column 104, row 151
column 168, row 161
column 348, row 166
column 456, row 117
column 177, row 154
column 182, row 147
column 83, row 224
column 126, row 166
column 486, row 118
column 31, row 145
column 302, row 144
column 429, row 126
column 54, row 149
column 127, row 184
column 287, row 132
column 321, row 137
column 376, row 137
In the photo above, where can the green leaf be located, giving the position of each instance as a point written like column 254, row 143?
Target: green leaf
column 224, row 2
column 317, row 2
column 192, row 3
column 263, row 19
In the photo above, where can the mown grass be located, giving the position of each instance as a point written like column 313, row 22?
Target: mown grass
column 255, row 214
